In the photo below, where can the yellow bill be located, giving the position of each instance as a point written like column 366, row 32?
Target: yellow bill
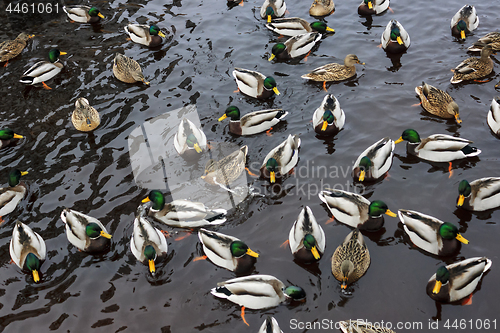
column 462, row 34
column 315, row 253
column 152, row 267
column 461, row 239
column 400, row 41
column 437, row 287
column 391, row 214
column 271, row 57
column 62, row 53
column 399, row 140
column 23, row 173
column 268, row 18
column 145, row 200
column 461, row 200
column 17, row 136
column 197, row 148
column 276, row 91
column 370, row 5
column 145, row 82
column 31, row 36
column 36, row 278
column 330, row 29
column 457, row 117
column 273, row 177
column 362, row 175
column 161, row 34
column 344, row 283
column 105, row 234
column 224, row 116
column 252, row 253
column 100, row 15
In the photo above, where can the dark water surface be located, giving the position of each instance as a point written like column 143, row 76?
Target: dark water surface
column 207, row 39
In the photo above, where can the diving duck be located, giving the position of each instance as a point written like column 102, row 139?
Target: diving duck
column 44, row 70
column 430, row 234
column 351, row 259
column 226, row 170
column 295, row 47
column 12, row 48
column 12, row 195
column 270, row 325
column 255, row 84
column 281, row 159
column 293, row 26
column 83, row 14
column 307, row 238
column 354, row 210
column 375, row 161
column 438, row 102
column 464, row 21
column 7, row 137
column 335, row 72
column 395, row 39
column 329, row 118
column 146, row 35
column 85, row 118
column 127, row 70
column 227, row 251
column 361, row 326
column 494, row 116
column 479, row 195
column 253, row 122
column 182, row 213
column 373, row 7
column 27, row 249
column 272, row 9
column 322, row 8
column 437, row 147
column 474, row 68
column 189, row 141
column 491, row 38
column 85, row 232
column 456, row 281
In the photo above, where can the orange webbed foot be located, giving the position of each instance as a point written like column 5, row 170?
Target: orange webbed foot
column 237, row 90
column 182, row 237
column 324, row 86
column 450, row 169
column 165, row 233
column 241, row 3
column 128, row 38
column 6, row 63
column 482, row 81
column 268, row 132
column 330, row 220
column 200, row 258
column 251, row 173
column 467, row 300
column 307, row 55
column 285, row 243
column 379, row 45
column 390, row 9
column 243, row 315
column 417, row 104
column 46, row 86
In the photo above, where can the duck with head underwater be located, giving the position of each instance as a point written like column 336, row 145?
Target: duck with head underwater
column 464, row 21
column 27, row 249
column 83, row 14
column 12, row 195
column 7, row 137
column 44, row 70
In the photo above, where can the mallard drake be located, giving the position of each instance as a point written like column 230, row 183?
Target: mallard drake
column 373, row 7
column 182, row 213
column 272, row 9
column 295, row 47
column 44, row 70
column 464, row 21
column 307, row 238
column 147, row 243
column 27, row 249
column 474, row 68
column 12, row 48
column 83, row 14
column 227, row 251
column 322, row 8
column 255, row 84
column 85, row 118
column 480, row 194
column 146, row 35
column 335, row 72
column 329, row 118
column 456, row 281
column 293, row 26
column 395, row 39
column 85, row 232
column 354, row 210
column 438, row 102
column 430, row 234
column 127, row 70
column 189, row 140
column 12, row 195
column 437, row 147
column 281, row 159
column 494, row 116
column 360, row 326
column 253, row 122
column 7, row 136
column 375, row 161
column 226, row 170
column 270, row 325
column 491, row 38
column 351, row 259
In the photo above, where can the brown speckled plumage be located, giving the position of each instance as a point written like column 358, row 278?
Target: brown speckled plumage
column 352, row 250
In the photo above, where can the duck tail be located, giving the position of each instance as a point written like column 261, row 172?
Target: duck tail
column 470, row 151
column 221, row 292
column 27, row 79
column 281, row 114
column 216, row 216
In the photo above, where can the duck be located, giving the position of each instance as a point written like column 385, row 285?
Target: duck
column 322, row 8
column 464, row 21
column 431, row 234
column 281, row 159
column 226, row 170
column 293, row 26
column 12, row 195
column 272, row 9
column 189, row 140
column 44, row 70
column 85, row 118
column 354, row 210
column 474, row 68
column 395, row 39
column 27, row 249
column 373, row 7
column 148, row 244
column 307, row 238
column 437, row 147
column 83, row 14
column 491, row 38
column 7, row 137
column 270, row 325
column 438, row 102
column 12, row 48
column 255, row 84
column 334, row 71
column 351, row 259
column 146, row 35
column 361, row 326
column 253, row 122
column 456, row 281
column 375, row 161
column 127, row 70
column 494, row 116
column 85, row 232
column 479, row 195
column 227, row 251
column 295, row 47
column 182, row 213
column 329, row 118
